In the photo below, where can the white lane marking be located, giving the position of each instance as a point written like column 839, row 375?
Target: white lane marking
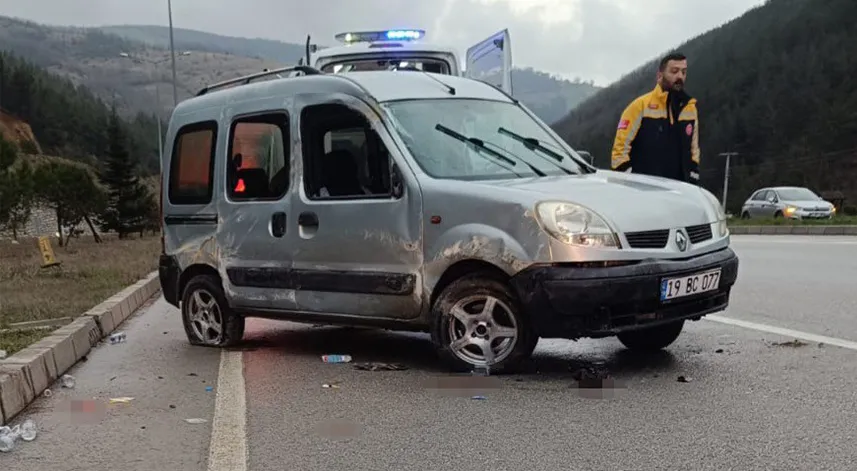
column 228, row 447
column 784, row 332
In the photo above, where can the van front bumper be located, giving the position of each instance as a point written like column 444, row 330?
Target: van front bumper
column 574, row 300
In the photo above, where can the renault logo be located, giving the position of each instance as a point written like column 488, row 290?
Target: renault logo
column 681, row 240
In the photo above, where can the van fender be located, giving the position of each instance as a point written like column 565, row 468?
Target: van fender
column 474, row 242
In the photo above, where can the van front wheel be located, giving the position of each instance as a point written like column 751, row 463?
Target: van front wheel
column 206, row 315
column 478, row 324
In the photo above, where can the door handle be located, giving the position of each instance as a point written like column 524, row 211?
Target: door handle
column 308, row 219
column 278, row 224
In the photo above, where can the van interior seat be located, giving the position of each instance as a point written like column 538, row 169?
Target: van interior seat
column 255, row 182
column 340, row 173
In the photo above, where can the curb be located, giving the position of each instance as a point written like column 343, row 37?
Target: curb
column 25, row 375
column 794, row 230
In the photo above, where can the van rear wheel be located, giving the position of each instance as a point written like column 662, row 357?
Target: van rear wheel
column 207, row 318
column 479, row 324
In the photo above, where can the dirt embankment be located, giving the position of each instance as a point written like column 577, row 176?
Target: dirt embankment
column 14, row 130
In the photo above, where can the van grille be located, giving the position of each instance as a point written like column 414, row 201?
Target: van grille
column 648, row 239
column 699, row 233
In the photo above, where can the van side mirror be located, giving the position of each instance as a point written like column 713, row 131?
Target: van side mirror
column 397, row 183
column 772, row 199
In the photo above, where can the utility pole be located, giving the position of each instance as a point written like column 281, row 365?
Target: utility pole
column 728, row 155
column 173, row 53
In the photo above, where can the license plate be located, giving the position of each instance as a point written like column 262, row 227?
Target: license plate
column 689, row 285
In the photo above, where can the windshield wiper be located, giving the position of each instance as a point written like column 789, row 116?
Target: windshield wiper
column 482, row 145
column 532, row 143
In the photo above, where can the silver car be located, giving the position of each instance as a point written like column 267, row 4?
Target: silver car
column 787, row 201
column 422, row 202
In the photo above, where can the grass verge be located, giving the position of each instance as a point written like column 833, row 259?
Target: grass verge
column 89, row 274
column 836, row 221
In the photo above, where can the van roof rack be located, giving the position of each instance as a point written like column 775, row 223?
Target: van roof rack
column 307, row 70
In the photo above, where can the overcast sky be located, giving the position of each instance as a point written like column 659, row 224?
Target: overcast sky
column 596, row 40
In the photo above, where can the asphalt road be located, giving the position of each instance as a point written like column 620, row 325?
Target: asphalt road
column 749, row 403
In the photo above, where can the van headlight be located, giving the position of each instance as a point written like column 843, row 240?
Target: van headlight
column 574, row 224
column 720, row 224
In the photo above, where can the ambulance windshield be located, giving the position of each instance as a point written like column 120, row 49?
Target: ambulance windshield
column 437, row 66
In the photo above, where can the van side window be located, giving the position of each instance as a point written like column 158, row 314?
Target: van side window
column 760, row 195
column 192, row 164
column 343, row 156
column 258, row 168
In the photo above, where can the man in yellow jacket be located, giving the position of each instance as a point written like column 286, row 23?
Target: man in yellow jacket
column 658, row 133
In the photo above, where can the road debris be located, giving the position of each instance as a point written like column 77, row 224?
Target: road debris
column 209, row 389
column 118, row 337
column 121, row 400
column 791, row 343
column 68, row 381
column 48, row 393
column 195, row 421
column 336, row 358
column 479, row 398
column 373, row 366
column 684, row 379
column 3, row 354
column 9, row 436
column 330, row 385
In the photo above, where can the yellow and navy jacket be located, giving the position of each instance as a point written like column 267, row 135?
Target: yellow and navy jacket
column 658, row 134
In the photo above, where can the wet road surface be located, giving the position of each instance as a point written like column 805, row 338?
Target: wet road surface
column 749, row 403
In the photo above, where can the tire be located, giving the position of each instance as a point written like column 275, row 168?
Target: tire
column 507, row 332
column 208, row 289
column 745, row 215
column 778, row 215
column 651, row 339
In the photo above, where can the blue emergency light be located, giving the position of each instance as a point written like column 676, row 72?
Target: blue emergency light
column 386, row 35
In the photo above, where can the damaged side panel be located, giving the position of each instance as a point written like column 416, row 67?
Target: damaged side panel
column 505, row 235
column 359, row 256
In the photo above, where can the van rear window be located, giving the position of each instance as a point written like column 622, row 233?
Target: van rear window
column 192, row 164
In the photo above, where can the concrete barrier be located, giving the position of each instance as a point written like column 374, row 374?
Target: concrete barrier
column 794, row 230
column 26, row 374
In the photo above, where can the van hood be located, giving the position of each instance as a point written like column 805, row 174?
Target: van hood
column 628, row 202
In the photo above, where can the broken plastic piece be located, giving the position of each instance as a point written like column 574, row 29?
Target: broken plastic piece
column 482, row 371
column 336, row 358
column 68, row 381
column 479, row 398
column 29, row 430
column 7, row 440
column 330, row 386
column 683, row 379
column 380, row 366
column 195, row 421
column 118, row 337
column 209, row 389
column 121, row 400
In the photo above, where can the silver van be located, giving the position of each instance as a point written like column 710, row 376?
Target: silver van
column 434, row 203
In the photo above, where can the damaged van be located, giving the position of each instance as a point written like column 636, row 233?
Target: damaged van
column 425, row 202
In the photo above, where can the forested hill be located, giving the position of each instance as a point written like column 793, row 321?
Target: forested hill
column 549, row 96
column 68, row 120
column 778, row 85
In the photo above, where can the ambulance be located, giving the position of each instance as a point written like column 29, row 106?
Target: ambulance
column 489, row 60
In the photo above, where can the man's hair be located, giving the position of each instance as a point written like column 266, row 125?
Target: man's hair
column 673, row 56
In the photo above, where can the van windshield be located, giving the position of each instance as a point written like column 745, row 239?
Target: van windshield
column 395, row 63
column 436, row 133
